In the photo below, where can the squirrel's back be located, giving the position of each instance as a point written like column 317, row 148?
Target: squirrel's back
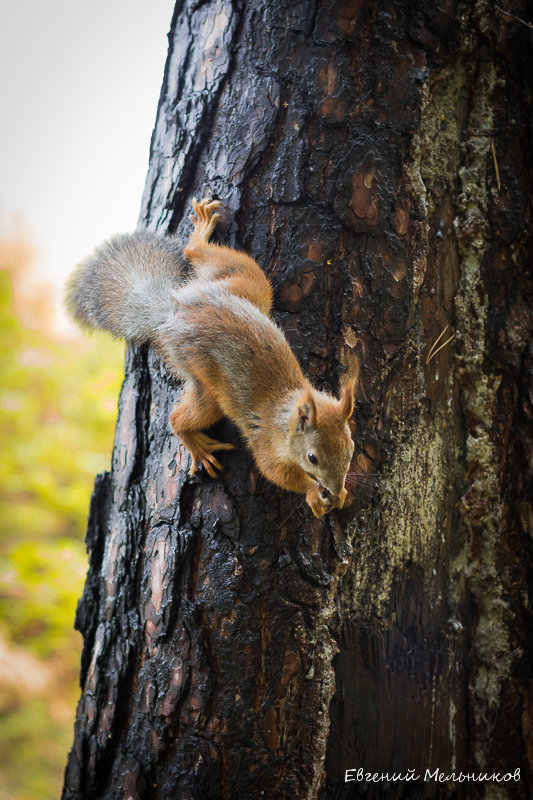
column 126, row 286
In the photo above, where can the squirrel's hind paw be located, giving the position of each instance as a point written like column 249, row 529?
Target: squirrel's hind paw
column 205, row 208
column 205, row 217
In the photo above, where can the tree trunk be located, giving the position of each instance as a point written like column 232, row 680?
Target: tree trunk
column 375, row 158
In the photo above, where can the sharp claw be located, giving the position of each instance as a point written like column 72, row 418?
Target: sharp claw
column 201, row 451
column 209, row 469
column 212, row 460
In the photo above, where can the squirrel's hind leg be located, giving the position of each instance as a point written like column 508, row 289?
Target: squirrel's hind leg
column 241, row 275
column 197, row 409
column 204, row 219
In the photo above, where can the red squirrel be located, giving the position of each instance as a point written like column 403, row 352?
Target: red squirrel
column 214, row 333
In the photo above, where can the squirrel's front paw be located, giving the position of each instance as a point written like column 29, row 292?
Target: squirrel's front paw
column 321, row 500
column 338, row 500
column 201, row 448
column 318, row 499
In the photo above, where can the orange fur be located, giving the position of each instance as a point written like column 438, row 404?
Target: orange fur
column 242, row 275
column 242, row 367
column 215, row 334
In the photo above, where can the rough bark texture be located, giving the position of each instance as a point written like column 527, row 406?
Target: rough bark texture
column 375, row 158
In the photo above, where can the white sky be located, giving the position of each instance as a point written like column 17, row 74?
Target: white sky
column 79, row 86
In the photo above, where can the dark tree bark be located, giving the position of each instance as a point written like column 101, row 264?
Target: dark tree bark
column 375, row 158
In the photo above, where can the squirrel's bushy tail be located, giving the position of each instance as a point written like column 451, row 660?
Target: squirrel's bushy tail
column 126, row 286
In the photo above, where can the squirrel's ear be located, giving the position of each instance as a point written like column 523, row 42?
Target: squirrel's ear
column 346, row 401
column 306, row 411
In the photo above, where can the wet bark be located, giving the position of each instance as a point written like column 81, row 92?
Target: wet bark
column 375, row 158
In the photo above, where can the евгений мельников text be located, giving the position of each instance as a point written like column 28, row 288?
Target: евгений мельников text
column 437, row 775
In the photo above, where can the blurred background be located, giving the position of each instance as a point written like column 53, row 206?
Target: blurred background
column 79, row 85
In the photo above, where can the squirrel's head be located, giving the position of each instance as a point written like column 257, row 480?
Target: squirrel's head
column 320, row 440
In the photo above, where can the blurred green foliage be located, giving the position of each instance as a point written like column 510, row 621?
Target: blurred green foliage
column 57, row 413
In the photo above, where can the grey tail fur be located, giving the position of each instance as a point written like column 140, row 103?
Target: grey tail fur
column 126, row 286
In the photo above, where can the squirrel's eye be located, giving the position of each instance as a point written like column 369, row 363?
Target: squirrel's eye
column 312, row 458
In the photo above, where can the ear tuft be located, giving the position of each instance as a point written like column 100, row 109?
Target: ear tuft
column 306, row 411
column 346, row 401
